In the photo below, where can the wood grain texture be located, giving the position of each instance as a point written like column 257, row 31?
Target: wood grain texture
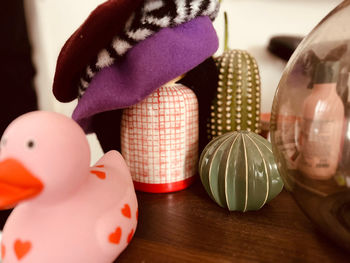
column 188, row 226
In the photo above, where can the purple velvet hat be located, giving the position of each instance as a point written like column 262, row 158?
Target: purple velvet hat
column 148, row 65
column 111, row 30
column 127, row 49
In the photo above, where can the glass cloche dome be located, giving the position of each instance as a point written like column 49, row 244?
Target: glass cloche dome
column 310, row 125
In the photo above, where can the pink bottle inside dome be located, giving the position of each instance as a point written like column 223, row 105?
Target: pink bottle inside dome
column 160, row 139
column 322, row 124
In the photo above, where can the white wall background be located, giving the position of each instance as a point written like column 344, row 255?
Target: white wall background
column 252, row 23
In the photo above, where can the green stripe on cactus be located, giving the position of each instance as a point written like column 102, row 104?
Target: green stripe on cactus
column 212, row 156
column 239, row 172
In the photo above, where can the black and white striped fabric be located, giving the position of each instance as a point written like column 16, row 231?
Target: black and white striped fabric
column 144, row 22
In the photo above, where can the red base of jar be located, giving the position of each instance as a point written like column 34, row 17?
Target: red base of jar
column 164, row 188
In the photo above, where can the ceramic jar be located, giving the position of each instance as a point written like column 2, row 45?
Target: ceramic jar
column 159, row 138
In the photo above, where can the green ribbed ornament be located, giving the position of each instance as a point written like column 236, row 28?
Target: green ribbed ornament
column 239, row 172
column 237, row 103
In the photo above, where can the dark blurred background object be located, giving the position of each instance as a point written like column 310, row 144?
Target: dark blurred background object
column 284, row 46
column 17, row 91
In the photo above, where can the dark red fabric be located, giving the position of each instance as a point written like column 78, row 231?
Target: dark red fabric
column 96, row 33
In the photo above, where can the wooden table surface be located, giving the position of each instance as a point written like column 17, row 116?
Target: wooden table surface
column 188, row 226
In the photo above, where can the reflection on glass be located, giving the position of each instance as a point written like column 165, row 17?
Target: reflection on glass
column 310, row 125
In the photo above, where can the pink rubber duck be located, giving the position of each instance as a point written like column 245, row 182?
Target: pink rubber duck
column 65, row 210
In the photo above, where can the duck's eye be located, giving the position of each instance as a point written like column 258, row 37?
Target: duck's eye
column 30, row 144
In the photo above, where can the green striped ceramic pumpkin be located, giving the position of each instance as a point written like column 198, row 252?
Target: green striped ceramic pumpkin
column 239, row 172
column 237, row 103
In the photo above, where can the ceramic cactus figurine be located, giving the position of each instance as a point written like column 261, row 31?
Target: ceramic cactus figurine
column 66, row 211
column 238, row 171
column 237, row 103
column 159, row 139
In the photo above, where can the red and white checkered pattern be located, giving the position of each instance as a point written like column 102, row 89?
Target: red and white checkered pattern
column 160, row 136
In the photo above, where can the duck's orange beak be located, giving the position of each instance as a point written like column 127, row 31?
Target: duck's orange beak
column 16, row 183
